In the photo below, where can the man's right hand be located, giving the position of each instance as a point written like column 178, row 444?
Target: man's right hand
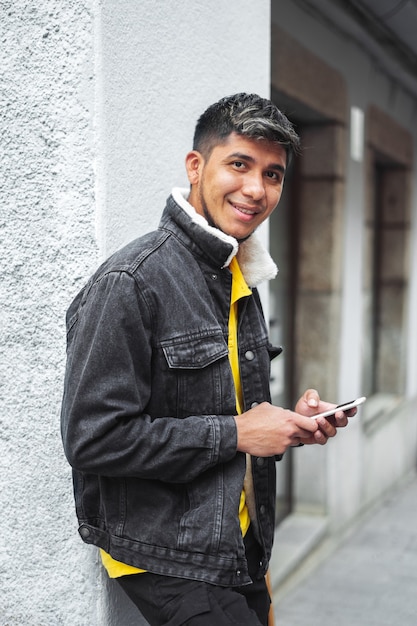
column 268, row 430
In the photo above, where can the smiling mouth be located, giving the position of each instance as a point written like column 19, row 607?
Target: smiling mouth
column 244, row 210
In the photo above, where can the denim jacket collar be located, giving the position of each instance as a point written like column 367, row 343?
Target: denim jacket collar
column 254, row 260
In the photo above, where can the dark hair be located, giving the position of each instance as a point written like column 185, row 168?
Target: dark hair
column 248, row 115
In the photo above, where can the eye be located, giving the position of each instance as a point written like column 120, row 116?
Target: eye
column 239, row 165
column 274, row 176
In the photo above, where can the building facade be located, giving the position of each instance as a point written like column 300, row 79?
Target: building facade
column 346, row 308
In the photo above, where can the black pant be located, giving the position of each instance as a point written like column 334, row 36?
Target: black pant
column 168, row 601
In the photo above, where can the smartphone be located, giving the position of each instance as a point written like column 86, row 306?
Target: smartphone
column 341, row 407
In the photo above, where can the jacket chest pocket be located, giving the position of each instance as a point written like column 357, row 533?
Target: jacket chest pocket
column 199, row 370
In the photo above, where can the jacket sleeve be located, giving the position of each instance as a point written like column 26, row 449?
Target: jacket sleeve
column 104, row 424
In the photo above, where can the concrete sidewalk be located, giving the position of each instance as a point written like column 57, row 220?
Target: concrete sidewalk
column 370, row 579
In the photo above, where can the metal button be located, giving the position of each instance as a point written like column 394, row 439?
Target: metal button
column 249, row 355
column 262, row 509
column 260, row 461
column 85, row 532
column 213, row 276
column 254, row 404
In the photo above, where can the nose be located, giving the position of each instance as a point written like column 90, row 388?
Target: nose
column 254, row 186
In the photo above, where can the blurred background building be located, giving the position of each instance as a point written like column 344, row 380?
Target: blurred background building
column 99, row 99
column 344, row 306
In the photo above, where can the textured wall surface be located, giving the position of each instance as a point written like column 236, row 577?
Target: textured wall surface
column 163, row 63
column 98, row 101
column 47, row 245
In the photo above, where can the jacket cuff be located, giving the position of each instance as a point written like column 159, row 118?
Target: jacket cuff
column 227, row 437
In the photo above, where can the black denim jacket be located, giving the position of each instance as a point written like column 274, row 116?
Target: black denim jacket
column 147, row 413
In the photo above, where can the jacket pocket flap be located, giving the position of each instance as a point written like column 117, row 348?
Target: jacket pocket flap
column 194, row 352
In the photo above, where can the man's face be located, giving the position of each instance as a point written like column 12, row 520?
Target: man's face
column 239, row 185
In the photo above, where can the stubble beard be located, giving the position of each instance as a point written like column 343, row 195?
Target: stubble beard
column 212, row 223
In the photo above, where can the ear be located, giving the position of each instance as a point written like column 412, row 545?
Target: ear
column 194, row 164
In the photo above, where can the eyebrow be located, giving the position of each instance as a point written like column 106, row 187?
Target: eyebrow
column 246, row 157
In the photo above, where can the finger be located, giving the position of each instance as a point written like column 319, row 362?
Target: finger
column 312, row 398
column 305, row 426
column 308, row 403
column 321, row 437
column 340, row 419
column 327, row 426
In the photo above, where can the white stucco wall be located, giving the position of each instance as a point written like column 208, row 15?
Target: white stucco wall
column 162, row 64
column 46, row 247
column 98, row 105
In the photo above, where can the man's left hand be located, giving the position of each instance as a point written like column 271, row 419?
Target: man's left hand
column 310, row 404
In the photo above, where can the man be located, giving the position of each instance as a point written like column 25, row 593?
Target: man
column 166, row 416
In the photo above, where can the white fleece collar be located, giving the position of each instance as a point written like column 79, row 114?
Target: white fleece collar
column 254, row 260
